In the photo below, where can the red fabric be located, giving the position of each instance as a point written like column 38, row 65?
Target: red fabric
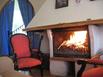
column 28, row 62
column 94, row 72
column 21, row 46
column 95, row 61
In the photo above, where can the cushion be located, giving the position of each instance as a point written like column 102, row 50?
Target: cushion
column 94, row 72
column 28, row 62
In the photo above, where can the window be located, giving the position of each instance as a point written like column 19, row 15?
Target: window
column 18, row 23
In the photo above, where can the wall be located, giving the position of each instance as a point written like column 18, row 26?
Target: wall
column 101, row 34
column 96, row 35
column 74, row 12
column 94, row 38
column 37, row 4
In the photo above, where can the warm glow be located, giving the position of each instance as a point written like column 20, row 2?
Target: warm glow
column 77, row 39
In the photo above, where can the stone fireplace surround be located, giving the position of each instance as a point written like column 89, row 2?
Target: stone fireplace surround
column 96, row 35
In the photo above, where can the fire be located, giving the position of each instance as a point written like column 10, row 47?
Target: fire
column 77, row 40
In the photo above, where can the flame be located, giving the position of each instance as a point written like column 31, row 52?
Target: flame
column 77, row 39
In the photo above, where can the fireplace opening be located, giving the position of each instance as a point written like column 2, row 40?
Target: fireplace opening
column 71, row 42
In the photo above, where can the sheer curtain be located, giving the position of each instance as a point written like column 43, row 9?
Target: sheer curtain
column 5, row 28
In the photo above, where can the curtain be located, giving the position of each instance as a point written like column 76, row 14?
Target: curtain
column 6, row 17
column 27, row 12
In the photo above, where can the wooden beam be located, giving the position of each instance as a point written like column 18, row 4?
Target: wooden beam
column 64, row 25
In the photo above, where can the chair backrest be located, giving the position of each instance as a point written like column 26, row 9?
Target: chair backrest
column 21, row 45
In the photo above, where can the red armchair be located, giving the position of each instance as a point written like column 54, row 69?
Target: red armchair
column 97, row 71
column 94, row 72
column 23, row 54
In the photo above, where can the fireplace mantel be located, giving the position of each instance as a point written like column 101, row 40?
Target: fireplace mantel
column 64, row 25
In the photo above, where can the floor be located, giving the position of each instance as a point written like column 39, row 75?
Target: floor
column 46, row 74
column 36, row 73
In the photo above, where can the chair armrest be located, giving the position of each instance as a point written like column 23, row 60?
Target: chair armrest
column 90, row 61
column 35, row 53
column 95, row 61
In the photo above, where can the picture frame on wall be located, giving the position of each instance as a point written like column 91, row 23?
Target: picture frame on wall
column 61, row 3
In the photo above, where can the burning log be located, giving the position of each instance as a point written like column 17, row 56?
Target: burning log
column 61, row 45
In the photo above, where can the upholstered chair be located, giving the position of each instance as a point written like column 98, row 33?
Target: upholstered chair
column 24, row 56
column 97, row 71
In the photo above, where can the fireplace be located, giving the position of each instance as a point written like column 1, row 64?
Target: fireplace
column 94, row 38
column 71, row 42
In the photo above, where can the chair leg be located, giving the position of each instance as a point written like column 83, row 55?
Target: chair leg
column 41, row 71
column 30, row 72
column 79, row 73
